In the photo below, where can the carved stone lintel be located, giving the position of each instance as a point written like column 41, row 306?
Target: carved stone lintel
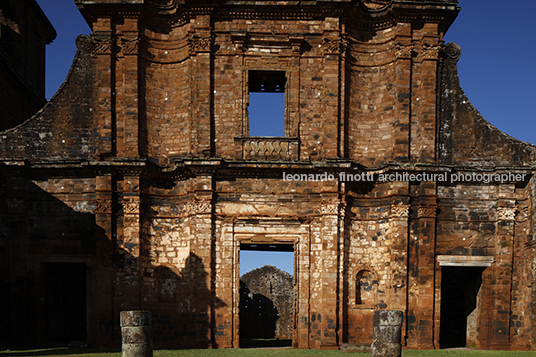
column 400, row 210
column 199, row 206
column 103, row 206
column 506, row 213
column 427, row 211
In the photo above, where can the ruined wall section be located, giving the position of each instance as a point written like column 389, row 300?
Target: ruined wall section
column 373, row 97
column 464, row 136
column 375, row 261
column 167, row 79
column 300, row 49
column 64, row 128
column 43, row 221
column 172, row 275
column 484, row 221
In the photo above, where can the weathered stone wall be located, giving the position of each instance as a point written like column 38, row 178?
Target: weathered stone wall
column 142, row 168
column 269, row 292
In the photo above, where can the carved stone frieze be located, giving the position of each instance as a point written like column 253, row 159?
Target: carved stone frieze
column 200, row 44
column 400, row 210
column 199, row 206
column 404, row 51
column 102, row 46
column 506, row 213
column 431, row 52
column 129, row 47
column 427, row 211
column 103, row 206
column 131, row 205
column 336, row 46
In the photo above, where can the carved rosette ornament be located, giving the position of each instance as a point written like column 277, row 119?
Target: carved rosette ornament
column 84, row 43
column 427, row 211
column 199, row 206
column 400, row 210
column 506, row 213
column 131, row 205
column 200, row 44
column 451, row 52
column 103, row 206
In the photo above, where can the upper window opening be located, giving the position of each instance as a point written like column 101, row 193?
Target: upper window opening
column 267, row 103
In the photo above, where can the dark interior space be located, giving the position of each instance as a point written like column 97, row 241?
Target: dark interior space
column 65, row 302
column 459, row 290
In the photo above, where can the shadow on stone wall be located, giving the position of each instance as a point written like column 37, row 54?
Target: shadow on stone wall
column 258, row 315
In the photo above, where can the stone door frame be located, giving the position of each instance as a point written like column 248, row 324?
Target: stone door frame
column 486, row 262
column 273, row 231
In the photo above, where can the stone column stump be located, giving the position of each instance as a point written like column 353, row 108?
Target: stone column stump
column 387, row 333
column 136, row 334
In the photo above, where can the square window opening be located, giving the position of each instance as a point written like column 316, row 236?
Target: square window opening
column 267, row 103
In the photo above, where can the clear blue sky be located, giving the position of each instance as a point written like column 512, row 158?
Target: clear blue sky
column 497, row 69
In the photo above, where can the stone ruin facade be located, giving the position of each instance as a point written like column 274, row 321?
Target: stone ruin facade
column 266, row 304
column 138, row 183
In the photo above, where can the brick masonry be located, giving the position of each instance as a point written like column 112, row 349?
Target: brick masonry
column 142, row 169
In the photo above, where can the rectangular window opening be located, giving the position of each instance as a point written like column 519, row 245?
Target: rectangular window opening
column 266, row 103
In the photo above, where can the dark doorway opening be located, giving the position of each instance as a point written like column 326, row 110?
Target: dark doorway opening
column 459, row 305
column 65, row 302
column 266, row 297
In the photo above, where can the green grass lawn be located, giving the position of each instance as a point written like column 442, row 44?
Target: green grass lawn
column 257, row 353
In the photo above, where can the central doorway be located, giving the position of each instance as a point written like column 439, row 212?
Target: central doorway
column 267, row 281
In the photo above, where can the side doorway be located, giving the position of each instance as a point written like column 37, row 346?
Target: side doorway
column 65, row 302
column 460, row 306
